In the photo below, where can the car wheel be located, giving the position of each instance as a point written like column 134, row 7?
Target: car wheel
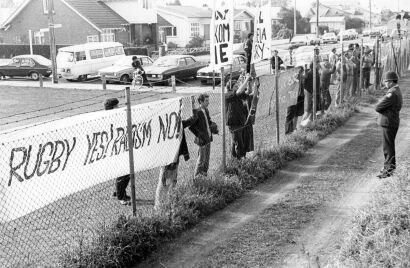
column 194, row 77
column 82, row 78
column 125, row 79
column 34, row 75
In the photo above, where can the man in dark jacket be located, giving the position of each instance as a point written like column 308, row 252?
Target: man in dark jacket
column 202, row 127
column 273, row 60
column 389, row 119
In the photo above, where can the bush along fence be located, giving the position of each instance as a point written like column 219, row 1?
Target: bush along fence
column 57, row 206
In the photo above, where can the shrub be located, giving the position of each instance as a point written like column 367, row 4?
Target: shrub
column 196, row 41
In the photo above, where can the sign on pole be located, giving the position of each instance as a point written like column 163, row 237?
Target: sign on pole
column 222, row 32
column 261, row 47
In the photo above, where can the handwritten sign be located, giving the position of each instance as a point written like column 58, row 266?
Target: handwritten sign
column 261, row 48
column 44, row 163
column 222, row 32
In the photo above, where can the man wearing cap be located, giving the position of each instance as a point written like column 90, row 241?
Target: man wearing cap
column 389, row 110
column 367, row 65
column 121, row 183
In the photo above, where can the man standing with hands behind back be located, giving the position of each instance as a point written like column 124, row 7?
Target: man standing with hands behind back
column 389, row 119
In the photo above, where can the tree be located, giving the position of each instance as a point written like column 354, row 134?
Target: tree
column 386, row 14
column 354, row 23
column 287, row 19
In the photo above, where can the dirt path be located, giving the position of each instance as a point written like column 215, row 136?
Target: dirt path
column 298, row 218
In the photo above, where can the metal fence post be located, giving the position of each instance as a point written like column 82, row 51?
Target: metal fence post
column 131, row 151
column 277, row 100
column 342, row 73
column 104, row 82
column 361, row 69
column 173, row 83
column 40, row 79
column 314, row 86
column 213, row 79
column 223, row 114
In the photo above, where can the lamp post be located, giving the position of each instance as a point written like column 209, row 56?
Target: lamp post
column 294, row 20
column 317, row 18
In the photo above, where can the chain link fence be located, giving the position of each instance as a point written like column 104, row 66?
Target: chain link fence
column 79, row 206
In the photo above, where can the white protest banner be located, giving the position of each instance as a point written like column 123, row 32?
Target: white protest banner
column 261, row 47
column 222, row 32
column 44, row 163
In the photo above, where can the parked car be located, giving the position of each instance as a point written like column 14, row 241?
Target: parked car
column 375, row 33
column 345, row 35
column 366, row 33
column 122, row 69
column 182, row 66
column 304, row 55
column 27, row 66
column 206, row 73
column 329, row 38
column 298, row 40
column 313, row 40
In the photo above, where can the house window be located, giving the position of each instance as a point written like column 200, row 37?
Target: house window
column 96, row 54
column 194, row 28
column 79, row 56
column 39, row 38
column 92, row 38
column 108, row 35
column 238, row 26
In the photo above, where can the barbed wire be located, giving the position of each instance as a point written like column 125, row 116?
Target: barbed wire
column 60, row 105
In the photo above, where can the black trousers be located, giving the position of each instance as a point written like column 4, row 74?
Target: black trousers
column 389, row 150
column 238, row 143
column 366, row 77
column 290, row 116
column 121, row 184
column 248, row 63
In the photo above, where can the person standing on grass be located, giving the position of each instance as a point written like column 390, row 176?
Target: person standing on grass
column 294, row 111
column 389, row 120
column 367, row 65
column 168, row 174
column 203, row 128
column 333, row 61
column 236, row 115
column 121, row 183
column 248, row 52
column 308, row 86
column 325, row 78
column 341, row 92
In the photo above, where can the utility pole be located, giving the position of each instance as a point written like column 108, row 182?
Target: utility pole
column 317, row 18
column 294, row 20
column 52, row 40
column 370, row 17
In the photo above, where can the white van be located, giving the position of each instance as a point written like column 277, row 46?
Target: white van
column 79, row 61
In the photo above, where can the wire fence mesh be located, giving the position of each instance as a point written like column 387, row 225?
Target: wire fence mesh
column 69, row 222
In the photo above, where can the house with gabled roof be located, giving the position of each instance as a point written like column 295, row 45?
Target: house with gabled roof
column 82, row 21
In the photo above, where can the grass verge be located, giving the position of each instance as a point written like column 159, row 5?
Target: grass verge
column 381, row 232
column 128, row 241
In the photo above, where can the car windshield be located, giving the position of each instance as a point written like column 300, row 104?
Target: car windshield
column 164, row 62
column 328, row 35
column 64, row 56
column 42, row 60
column 126, row 61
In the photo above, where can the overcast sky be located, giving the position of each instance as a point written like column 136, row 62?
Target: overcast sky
column 303, row 5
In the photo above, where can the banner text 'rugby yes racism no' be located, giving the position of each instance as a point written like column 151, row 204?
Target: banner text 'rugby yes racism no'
column 42, row 164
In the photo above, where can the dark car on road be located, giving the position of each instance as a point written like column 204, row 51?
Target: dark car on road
column 182, row 66
column 206, row 73
column 27, row 66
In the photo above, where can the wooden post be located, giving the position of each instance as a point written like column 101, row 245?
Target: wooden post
column 342, row 89
column 30, row 36
column 376, row 66
column 277, row 100
column 223, row 114
column 40, row 79
column 52, row 40
column 173, row 83
column 314, row 86
column 131, row 151
column 361, row 69
column 104, row 81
